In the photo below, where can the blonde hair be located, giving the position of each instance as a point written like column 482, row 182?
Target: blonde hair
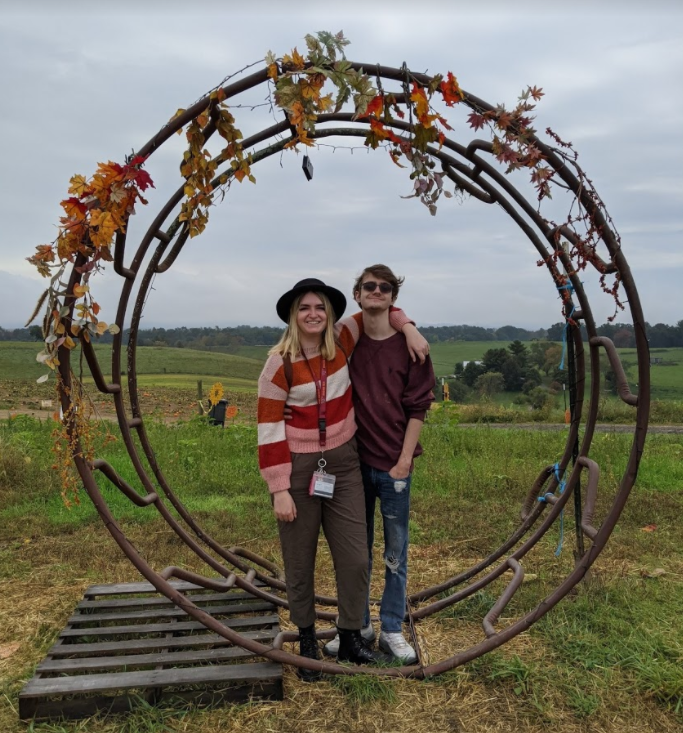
column 290, row 344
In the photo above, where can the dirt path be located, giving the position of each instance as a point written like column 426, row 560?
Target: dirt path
column 600, row 428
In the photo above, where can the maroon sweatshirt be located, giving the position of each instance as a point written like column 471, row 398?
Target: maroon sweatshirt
column 388, row 389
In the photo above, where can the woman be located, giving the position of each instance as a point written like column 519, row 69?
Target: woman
column 307, row 371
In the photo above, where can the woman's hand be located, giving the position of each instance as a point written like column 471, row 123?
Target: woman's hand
column 284, row 506
column 417, row 344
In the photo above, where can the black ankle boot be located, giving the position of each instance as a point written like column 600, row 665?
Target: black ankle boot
column 352, row 648
column 308, row 647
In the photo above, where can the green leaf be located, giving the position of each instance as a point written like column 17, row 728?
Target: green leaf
column 313, row 45
column 342, row 97
column 286, row 93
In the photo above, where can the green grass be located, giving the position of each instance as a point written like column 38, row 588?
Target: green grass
column 446, row 354
column 18, row 361
column 613, row 649
column 260, row 353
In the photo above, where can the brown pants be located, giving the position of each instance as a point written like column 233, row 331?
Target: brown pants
column 343, row 521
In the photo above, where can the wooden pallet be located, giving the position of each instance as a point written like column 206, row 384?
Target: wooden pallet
column 126, row 643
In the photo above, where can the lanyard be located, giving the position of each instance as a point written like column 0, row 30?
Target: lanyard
column 321, row 397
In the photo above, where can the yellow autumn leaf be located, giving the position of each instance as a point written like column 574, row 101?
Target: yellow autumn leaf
column 80, row 290
column 78, row 185
column 324, row 103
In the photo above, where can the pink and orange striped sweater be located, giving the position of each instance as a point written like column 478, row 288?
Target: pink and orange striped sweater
column 278, row 438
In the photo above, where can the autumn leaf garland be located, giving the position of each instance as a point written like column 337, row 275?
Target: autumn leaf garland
column 98, row 209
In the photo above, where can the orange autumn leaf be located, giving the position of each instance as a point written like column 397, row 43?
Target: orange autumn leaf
column 296, row 60
column 74, row 208
column 297, row 115
column 272, row 71
column 231, row 412
column 310, row 88
column 375, row 107
column 450, row 89
column 648, row 528
column 80, row 290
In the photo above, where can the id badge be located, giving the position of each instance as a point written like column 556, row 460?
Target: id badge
column 322, row 485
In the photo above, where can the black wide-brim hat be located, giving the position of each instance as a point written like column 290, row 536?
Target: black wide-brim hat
column 311, row 285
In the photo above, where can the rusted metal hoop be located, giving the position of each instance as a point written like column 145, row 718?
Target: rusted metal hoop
column 471, row 169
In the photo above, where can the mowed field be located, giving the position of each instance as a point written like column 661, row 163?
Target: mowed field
column 170, row 366
column 180, row 369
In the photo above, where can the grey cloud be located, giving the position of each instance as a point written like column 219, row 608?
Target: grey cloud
column 612, row 84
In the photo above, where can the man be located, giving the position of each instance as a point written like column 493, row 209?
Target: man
column 391, row 395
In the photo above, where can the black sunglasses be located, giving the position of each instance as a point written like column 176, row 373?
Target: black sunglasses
column 370, row 286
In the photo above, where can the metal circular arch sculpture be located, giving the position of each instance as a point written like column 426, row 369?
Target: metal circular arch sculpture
column 470, row 167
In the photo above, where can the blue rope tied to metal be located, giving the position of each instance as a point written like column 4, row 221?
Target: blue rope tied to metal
column 562, row 484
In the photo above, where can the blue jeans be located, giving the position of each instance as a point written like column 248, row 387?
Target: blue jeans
column 394, row 504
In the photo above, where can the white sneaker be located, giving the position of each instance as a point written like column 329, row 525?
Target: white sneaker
column 396, row 645
column 331, row 649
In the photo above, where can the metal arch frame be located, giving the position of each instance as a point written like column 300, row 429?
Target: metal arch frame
column 473, row 173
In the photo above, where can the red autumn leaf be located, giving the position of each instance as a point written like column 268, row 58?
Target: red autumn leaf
column 504, row 120
column 143, row 180
column 476, row 121
column 444, row 123
column 508, row 155
column 138, row 160
column 536, row 92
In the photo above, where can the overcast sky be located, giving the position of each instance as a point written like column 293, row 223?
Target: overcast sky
column 80, row 86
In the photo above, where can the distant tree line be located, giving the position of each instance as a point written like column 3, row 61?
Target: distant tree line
column 435, row 334
column 230, row 339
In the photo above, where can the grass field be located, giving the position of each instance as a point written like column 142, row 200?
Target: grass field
column 168, row 368
column 17, row 361
column 609, row 658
